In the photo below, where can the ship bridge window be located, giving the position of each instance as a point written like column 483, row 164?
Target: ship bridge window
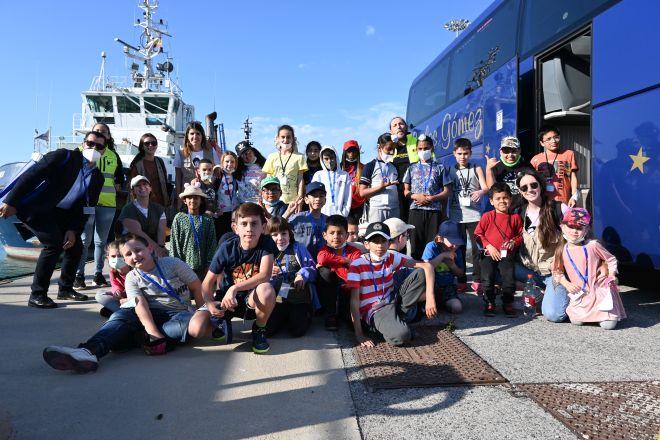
column 151, row 120
column 100, row 104
column 156, row 105
column 107, row 120
column 128, row 105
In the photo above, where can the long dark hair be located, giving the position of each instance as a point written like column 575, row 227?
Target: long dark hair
column 187, row 146
column 138, row 157
column 110, row 142
column 241, row 166
column 548, row 229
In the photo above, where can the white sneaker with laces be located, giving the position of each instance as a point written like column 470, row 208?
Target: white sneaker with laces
column 79, row 360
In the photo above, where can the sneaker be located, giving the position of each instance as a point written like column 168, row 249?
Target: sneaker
column 461, row 287
column 476, row 288
column 99, row 280
column 71, row 294
column 509, row 310
column 260, row 344
column 223, row 331
column 41, row 302
column 489, row 310
column 331, row 323
column 79, row 360
column 79, row 282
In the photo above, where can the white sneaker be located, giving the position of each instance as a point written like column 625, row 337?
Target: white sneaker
column 79, row 360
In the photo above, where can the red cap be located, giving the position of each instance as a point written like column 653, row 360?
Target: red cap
column 351, row 144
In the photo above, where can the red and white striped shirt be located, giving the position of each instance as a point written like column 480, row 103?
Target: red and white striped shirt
column 374, row 280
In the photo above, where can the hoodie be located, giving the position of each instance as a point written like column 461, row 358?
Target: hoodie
column 337, row 186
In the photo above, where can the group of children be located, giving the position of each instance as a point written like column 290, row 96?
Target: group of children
column 279, row 265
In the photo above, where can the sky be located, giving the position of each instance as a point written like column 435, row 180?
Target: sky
column 335, row 70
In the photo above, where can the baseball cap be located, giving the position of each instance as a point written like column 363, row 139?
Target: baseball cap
column 397, row 226
column 137, row 179
column 314, row 186
column 351, row 144
column 510, row 142
column 449, row 230
column 576, row 217
column 242, row 147
column 268, row 180
column 377, row 228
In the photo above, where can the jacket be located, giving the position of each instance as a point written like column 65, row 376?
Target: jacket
column 337, row 186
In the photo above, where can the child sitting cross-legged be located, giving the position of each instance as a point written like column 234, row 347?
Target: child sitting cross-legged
column 159, row 293
column 118, row 269
column 373, row 300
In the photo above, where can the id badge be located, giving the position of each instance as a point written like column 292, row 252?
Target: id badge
column 283, row 180
column 386, row 180
column 550, row 187
column 576, row 296
column 464, row 201
column 88, row 210
column 284, row 290
column 503, row 252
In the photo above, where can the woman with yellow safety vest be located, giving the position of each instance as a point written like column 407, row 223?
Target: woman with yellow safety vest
column 101, row 217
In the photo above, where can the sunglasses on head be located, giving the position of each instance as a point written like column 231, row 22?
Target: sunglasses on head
column 151, row 143
column 508, row 150
column 96, row 146
column 532, row 185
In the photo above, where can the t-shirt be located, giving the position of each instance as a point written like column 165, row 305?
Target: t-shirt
column 373, row 175
column 309, row 231
column 249, row 187
column 151, row 284
column 227, row 194
column 443, row 274
column 557, row 169
column 189, row 165
column 505, row 174
column 465, row 181
column 209, row 190
column 426, row 178
column 375, row 281
column 286, row 168
column 238, row 264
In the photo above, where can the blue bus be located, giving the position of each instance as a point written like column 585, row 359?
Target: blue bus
column 592, row 69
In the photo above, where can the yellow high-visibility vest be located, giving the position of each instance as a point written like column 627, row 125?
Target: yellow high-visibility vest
column 108, row 164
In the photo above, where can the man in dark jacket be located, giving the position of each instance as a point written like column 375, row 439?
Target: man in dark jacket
column 52, row 199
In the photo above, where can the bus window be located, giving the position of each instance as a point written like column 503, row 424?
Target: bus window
column 544, row 22
column 429, row 95
column 488, row 46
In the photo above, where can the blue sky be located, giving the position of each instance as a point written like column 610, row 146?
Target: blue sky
column 334, row 70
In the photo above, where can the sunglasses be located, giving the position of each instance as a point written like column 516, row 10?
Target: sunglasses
column 151, row 143
column 532, row 185
column 508, row 150
column 95, row 145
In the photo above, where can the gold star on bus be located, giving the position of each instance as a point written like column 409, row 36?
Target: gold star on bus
column 638, row 160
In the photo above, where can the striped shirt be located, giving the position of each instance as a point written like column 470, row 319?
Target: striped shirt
column 375, row 281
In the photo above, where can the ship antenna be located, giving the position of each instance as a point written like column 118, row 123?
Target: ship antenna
column 247, row 129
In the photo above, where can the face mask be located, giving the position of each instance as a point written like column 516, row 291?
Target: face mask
column 375, row 258
column 91, row 155
column 578, row 241
column 206, row 177
column 267, row 203
column 331, row 164
column 510, row 164
column 116, row 262
column 425, row 155
column 351, row 160
column 251, row 161
column 387, row 158
column 229, row 170
column 282, row 247
column 286, row 147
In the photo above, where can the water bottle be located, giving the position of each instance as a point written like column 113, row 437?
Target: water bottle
column 529, row 297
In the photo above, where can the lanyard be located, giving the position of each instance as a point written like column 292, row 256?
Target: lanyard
column 318, row 235
column 551, row 171
column 192, row 225
column 382, row 275
column 285, row 273
column 352, row 173
column 83, row 177
column 169, row 291
column 332, row 182
column 508, row 226
column 230, row 189
column 465, row 182
column 285, row 164
column 381, row 170
column 584, row 277
column 426, row 180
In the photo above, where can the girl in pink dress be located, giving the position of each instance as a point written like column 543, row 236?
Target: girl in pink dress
column 588, row 271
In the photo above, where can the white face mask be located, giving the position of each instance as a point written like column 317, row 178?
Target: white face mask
column 387, row 158
column 375, row 258
column 351, row 160
column 91, row 155
column 425, row 155
column 569, row 240
column 116, row 262
column 229, row 170
column 206, row 177
column 282, row 246
column 286, row 147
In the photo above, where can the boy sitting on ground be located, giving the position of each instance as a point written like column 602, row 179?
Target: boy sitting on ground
column 159, row 293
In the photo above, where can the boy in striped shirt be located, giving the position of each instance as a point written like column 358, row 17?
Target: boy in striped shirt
column 373, row 299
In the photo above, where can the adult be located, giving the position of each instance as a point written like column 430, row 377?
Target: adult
column 186, row 160
column 52, row 198
column 406, row 153
column 101, row 220
column 144, row 218
column 506, row 169
column 541, row 231
column 147, row 164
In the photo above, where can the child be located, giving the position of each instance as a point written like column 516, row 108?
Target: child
column 469, row 185
column 193, row 233
column 226, row 193
column 270, row 197
column 354, row 234
column 506, row 169
column 118, row 270
column 370, row 279
column 500, row 234
column 592, row 283
column 558, row 166
column 294, row 275
column 313, row 152
column 308, row 226
column 446, row 246
column 245, row 265
column 248, row 172
column 336, row 182
column 334, row 258
column 159, row 293
column 378, row 183
column 350, row 162
column 426, row 184
column 208, row 183
column 287, row 165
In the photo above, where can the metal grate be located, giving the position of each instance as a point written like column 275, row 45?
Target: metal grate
column 615, row 410
column 434, row 357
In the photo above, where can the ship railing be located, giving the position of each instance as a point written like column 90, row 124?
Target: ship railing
column 122, row 83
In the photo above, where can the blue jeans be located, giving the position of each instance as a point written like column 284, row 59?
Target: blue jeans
column 118, row 331
column 100, row 224
column 555, row 298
